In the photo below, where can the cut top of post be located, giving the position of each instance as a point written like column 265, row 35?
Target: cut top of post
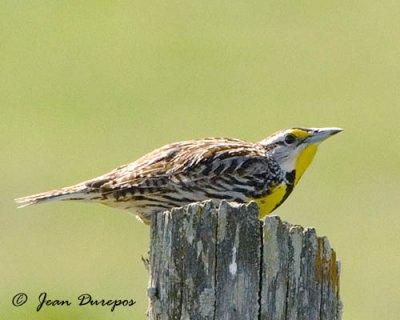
column 222, row 262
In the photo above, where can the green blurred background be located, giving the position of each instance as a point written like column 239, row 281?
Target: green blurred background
column 88, row 85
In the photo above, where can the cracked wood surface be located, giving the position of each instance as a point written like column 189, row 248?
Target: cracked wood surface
column 209, row 262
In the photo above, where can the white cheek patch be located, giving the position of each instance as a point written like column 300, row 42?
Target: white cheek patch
column 288, row 162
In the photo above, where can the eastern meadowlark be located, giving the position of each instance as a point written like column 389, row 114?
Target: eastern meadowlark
column 211, row 168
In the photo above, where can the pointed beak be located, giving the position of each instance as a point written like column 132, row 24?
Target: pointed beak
column 320, row 134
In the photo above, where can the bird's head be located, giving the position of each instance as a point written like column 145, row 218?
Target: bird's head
column 295, row 148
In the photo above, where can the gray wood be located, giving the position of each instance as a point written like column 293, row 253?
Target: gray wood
column 209, row 262
column 275, row 272
column 182, row 263
column 238, row 262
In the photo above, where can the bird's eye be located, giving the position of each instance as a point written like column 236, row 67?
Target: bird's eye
column 289, row 139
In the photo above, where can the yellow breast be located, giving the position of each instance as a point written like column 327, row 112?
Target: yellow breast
column 270, row 201
column 303, row 161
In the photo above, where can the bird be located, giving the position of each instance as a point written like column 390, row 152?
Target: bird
column 213, row 169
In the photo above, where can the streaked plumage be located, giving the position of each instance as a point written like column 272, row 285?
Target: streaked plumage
column 196, row 170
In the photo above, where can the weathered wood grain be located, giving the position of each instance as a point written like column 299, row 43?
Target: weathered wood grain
column 209, row 262
column 238, row 262
column 182, row 263
column 275, row 255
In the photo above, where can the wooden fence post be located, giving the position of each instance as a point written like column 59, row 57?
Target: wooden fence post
column 209, row 262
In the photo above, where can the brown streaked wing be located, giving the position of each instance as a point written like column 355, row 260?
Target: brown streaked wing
column 187, row 159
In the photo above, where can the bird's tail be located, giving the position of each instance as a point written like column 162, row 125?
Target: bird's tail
column 77, row 192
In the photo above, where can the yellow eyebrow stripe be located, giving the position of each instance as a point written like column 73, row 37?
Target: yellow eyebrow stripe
column 302, row 134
